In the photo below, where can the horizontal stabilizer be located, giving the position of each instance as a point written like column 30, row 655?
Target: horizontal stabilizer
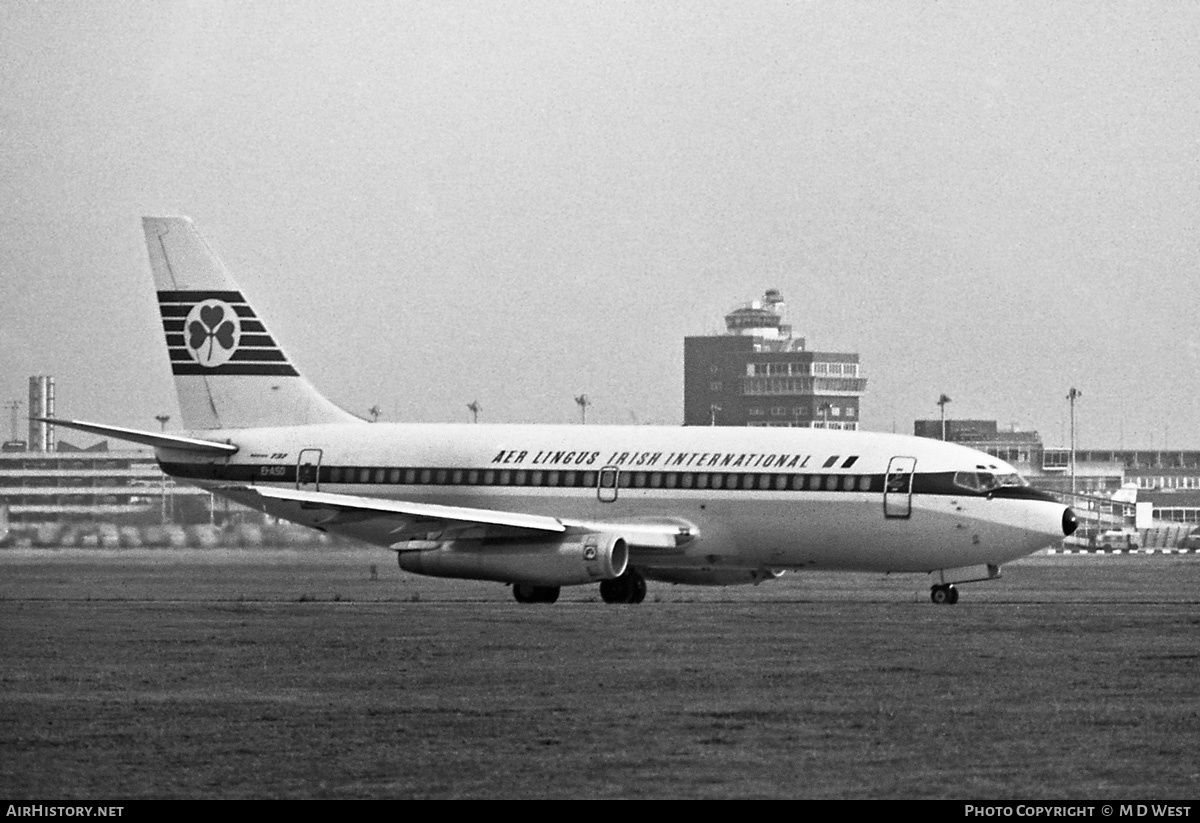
column 157, row 440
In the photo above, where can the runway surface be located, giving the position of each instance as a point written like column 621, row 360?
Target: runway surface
column 312, row 674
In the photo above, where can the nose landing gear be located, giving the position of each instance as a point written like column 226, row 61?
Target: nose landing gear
column 944, row 592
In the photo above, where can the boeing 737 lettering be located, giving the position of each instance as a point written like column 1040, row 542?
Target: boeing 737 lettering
column 542, row 507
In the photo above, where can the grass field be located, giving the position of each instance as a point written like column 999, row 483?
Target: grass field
column 296, row 674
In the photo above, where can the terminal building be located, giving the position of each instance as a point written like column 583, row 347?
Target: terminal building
column 759, row 374
column 73, row 484
column 46, row 482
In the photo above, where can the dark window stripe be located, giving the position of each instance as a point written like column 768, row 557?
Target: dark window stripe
column 783, row 483
column 941, row 483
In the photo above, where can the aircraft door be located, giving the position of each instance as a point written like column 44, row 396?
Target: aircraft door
column 308, row 470
column 897, row 487
column 606, row 484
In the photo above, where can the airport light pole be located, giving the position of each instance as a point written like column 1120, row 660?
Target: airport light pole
column 583, row 402
column 162, row 426
column 712, row 414
column 1073, row 395
column 942, row 401
column 825, row 407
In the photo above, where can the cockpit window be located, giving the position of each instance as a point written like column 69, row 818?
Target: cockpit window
column 983, row 482
column 967, row 480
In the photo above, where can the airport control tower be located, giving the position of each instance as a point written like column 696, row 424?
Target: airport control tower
column 759, row 374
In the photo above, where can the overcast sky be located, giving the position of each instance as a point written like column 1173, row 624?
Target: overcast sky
column 516, row 202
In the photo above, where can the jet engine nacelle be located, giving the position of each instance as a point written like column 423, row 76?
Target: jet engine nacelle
column 560, row 561
column 712, row 577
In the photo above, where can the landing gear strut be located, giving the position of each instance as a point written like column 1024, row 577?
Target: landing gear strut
column 944, row 593
column 529, row 593
column 628, row 588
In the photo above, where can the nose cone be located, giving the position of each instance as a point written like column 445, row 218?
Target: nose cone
column 1070, row 522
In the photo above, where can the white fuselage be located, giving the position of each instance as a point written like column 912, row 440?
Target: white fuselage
column 754, row 498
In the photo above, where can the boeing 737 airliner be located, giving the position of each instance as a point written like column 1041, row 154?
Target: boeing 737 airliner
column 541, row 507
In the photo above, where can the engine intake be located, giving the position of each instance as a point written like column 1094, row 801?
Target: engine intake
column 560, row 561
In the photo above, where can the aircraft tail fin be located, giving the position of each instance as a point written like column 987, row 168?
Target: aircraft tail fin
column 229, row 371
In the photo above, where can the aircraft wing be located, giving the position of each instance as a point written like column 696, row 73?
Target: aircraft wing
column 417, row 526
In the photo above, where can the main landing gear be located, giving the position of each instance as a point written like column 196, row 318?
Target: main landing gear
column 944, row 593
column 529, row 593
column 628, row 588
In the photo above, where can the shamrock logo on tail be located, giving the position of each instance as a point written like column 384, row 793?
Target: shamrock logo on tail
column 212, row 332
